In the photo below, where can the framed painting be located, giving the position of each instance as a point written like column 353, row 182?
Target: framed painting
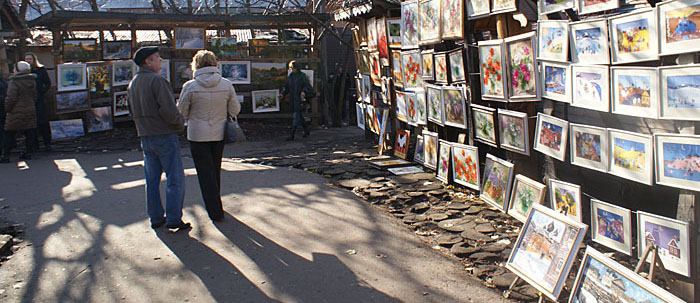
column 526, row 192
column 522, row 70
column 393, row 27
column 409, row 24
column 492, row 70
column 82, row 50
column 189, row 38
column 71, row 77
column 428, row 68
column 631, row 156
column 457, row 73
column 454, row 107
column 182, row 72
column 372, row 35
column 514, row 132
column 678, row 26
column 382, row 41
column 678, row 160
column 419, row 152
column 565, row 198
column 62, row 129
column 440, row 61
column 266, row 101
column 430, row 142
column 365, row 63
column 99, row 119
column 396, row 70
column 385, row 92
column 362, row 26
column 635, row 91
column 484, row 125
column 611, row 226
column 421, row 112
column 478, row 8
column 680, row 92
column 589, row 42
column 122, row 72
column 411, row 67
column 590, row 87
column 443, row 164
column 545, row 250
column 100, row 83
column 405, row 170
column 370, row 118
column 550, row 136
column 383, row 122
column 556, row 81
column 121, row 104
column 389, row 163
column 503, row 6
column 360, row 112
column 375, row 68
column 116, row 50
column 411, row 104
column 226, row 48
column 452, row 19
column 401, row 112
column 465, row 165
column 238, row 72
column 589, row 285
column 589, row 147
column 670, row 236
column 429, row 21
column 165, row 69
column 634, row 37
column 403, row 140
column 366, row 88
column 553, row 40
column 435, row 105
column 551, row 6
column 72, row 102
column 495, row 186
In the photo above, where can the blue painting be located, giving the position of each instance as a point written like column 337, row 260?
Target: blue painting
column 634, row 90
column 588, row 41
column 67, row 128
column 588, row 86
column 610, row 225
column 666, row 238
column 682, row 161
column 552, row 39
column 236, row 72
column 683, row 91
column 555, row 80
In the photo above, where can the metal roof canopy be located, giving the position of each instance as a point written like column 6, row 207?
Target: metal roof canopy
column 89, row 21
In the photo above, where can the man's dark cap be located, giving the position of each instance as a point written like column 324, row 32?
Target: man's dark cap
column 143, row 53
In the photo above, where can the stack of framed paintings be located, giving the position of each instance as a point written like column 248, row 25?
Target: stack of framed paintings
column 589, row 147
column 680, row 92
column 589, row 41
column 565, row 198
column 409, row 24
column 430, row 142
column 495, row 187
column 670, row 236
column 452, row 19
column 522, row 68
column 526, row 192
column 545, row 250
column 514, row 132
column 553, row 40
column 492, row 70
column 678, row 160
column 631, row 156
column 635, row 91
column 634, row 37
column 611, row 226
column 454, row 107
column 591, row 87
column 556, row 81
column 429, row 21
column 443, row 165
column 403, row 140
column 484, row 125
column 465, row 165
column 550, row 136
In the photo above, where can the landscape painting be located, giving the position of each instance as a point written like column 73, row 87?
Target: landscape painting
column 455, row 113
column 492, row 70
column 443, row 165
column 670, row 236
column 182, row 72
column 401, row 112
column 495, row 189
column 99, row 119
column 631, row 156
column 590, row 87
column 484, row 125
column 67, row 129
column 565, row 198
column 556, row 82
column 82, row 50
column 522, row 69
column 611, row 226
column 514, row 134
column 634, row 37
column 272, row 73
column 634, row 90
column 266, row 101
column 122, row 72
column 679, row 23
column 226, row 47
column 189, row 38
column 680, row 92
column 71, row 102
column 678, row 160
column 100, row 83
column 526, row 192
column 116, row 50
column 553, row 40
column 465, row 165
column 589, row 40
column 71, row 77
column 238, row 72
column 589, row 147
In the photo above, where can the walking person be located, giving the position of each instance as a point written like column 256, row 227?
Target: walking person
column 158, row 122
column 20, row 111
column 3, row 94
column 298, row 88
column 43, row 84
column 206, row 102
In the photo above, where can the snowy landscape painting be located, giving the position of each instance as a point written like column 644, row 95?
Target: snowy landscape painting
column 683, row 91
column 189, row 38
column 678, row 160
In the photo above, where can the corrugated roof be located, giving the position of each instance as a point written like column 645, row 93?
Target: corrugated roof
column 44, row 37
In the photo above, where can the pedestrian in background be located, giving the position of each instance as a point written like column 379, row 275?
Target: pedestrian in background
column 3, row 94
column 20, row 111
column 158, row 122
column 205, row 103
column 298, row 88
column 43, row 83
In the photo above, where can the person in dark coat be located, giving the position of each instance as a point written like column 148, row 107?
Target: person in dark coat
column 20, row 110
column 298, row 88
column 3, row 94
column 43, row 84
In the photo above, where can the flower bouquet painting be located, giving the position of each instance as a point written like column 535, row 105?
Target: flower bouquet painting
column 465, row 165
column 453, row 101
column 526, row 192
column 443, row 165
column 492, row 70
column 421, row 117
column 496, row 185
column 409, row 24
column 522, row 70
column 429, row 12
column 484, row 126
column 457, row 66
column 452, row 19
column 434, row 98
column 440, row 61
column 411, row 66
column 514, row 131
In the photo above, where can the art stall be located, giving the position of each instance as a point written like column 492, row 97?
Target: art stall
column 576, row 119
column 92, row 74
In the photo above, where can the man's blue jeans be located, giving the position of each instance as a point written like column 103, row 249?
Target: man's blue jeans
column 162, row 154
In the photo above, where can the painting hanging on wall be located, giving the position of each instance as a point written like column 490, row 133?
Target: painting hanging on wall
column 565, row 198
column 226, row 48
column 375, row 68
column 457, row 73
column 631, row 156
column 680, row 92
column 589, row 42
column 382, row 41
column 364, row 63
column 553, row 40
column 492, row 70
column 678, row 160
column 116, row 50
column 238, row 72
column 182, row 72
column 165, row 69
column 401, row 107
column 514, row 132
column 522, row 70
column 428, row 72
column 546, row 267
column 62, row 129
column 72, row 102
column 589, row 147
column 99, row 119
column 429, row 21
column 556, row 81
column 360, row 112
column 393, row 27
column 635, row 91
column 409, row 24
column 465, row 165
column 495, row 187
column 478, row 8
column 411, row 104
column 362, row 26
column 670, row 236
column 594, row 6
column 503, row 6
column 678, row 25
column 71, row 77
column 440, row 61
column 611, row 226
column 265, row 101
column 550, row 136
column 421, row 115
column 403, row 140
column 551, row 6
column 121, row 104
column 590, row 87
column 435, row 105
column 411, row 66
column 189, row 38
column 372, row 34
column 443, row 166
column 419, row 152
column 484, row 125
column 366, row 88
column 82, row 50
column 634, row 37
column 526, row 192
column 454, row 107
column 396, row 68
column 452, row 19
column 100, row 83
column 122, row 72
column 430, row 143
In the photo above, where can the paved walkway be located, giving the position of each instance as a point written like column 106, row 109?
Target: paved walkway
column 288, row 237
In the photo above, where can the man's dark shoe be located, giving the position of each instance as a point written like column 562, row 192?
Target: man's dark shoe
column 155, row 225
column 179, row 226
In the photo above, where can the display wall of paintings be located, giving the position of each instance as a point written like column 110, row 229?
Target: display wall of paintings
column 550, row 136
column 635, row 91
column 545, row 250
column 99, row 119
column 589, row 41
column 419, row 151
column 454, row 107
column 478, row 8
column 492, row 70
column 457, row 72
column 565, row 198
column 82, row 50
column 680, row 92
column 611, row 226
column 116, row 50
column 631, row 156
column 670, row 236
column 443, row 164
column 429, row 21
column 266, row 101
column 428, row 68
column 553, row 40
column 678, row 160
column 589, row 147
column 435, row 105
column 430, row 144
column 634, row 37
column 403, row 140
column 122, row 72
column 678, row 22
column 440, row 62
column 411, row 67
column 595, row 272
column 514, row 132
column 71, row 128
column 121, row 104
column 409, row 24
column 189, row 38
column 591, row 87
column 526, row 192
column 360, row 112
column 238, row 72
column 522, row 68
column 452, row 19
column 72, row 102
column 556, row 81
column 495, row 187
column 465, row 165
column 503, row 6
column 401, row 112
column 484, row 125
column 100, row 83
column 71, row 77
column 393, row 26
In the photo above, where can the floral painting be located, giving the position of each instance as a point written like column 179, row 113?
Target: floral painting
column 522, row 69
column 100, row 83
column 440, row 61
column 457, row 66
column 409, row 24
column 453, row 101
column 452, row 19
column 429, row 11
column 411, row 66
column 434, row 99
column 465, row 165
column 496, row 184
column 266, row 101
column 421, row 110
column 430, row 142
column 514, row 131
column 484, row 129
column 428, row 68
column 491, row 58
column 477, row 8
column 526, row 192
column 443, row 161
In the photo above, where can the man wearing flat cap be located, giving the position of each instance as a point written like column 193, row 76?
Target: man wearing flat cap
column 158, row 123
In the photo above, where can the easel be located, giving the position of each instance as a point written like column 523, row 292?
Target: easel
column 506, row 293
column 655, row 262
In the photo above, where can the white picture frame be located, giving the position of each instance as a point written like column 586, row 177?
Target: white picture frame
column 671, row 41
column 611, row 225
column 622, row 51
column 401, row 112
column 677, row 158
column 520, row 51
column 430, row 148
column 513, row 131
column 434, row 104
column 421, row 117
column 71, row 76
column 589, row 41
column 120, row 106
column 496, row 89
column 550, row 136
column 360, row 112
column 680, row 92
column 626, row 163
column 526, row 192
column 544, row 8
column 590, row 88
column 485, row 122
column 409, row 24
column 648, row 225
column 553, row 40
column 496, row 182
column 565, row 198
column 428, row 65
column 442, row 172
column 477, row 8
column 503, row 6
column 454, row 107
column 635, row 91
column 419, row 151
column 261, row 105
column 430, row 14
column 465, row 165
column 596, row 6
column 238, row 72
column 556, row 81
column 589, row 147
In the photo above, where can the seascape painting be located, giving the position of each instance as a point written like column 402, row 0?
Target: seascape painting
column 67, row 129
column 238, row 72
column 116, row 50
column 678, row 160
column 440, row 68
column 189, row 38
column 465, row 165
column 453, row 101
column 99, row 119
column 490, row 58
column 266, row 101
column 496, row 183
column 629, row 155
column 679, row 23
column 71, row 102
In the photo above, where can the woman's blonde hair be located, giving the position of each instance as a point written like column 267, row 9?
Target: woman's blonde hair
column 36, row 63
column 203, row 58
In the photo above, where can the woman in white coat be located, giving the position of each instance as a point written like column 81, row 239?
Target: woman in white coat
column 205, row 103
